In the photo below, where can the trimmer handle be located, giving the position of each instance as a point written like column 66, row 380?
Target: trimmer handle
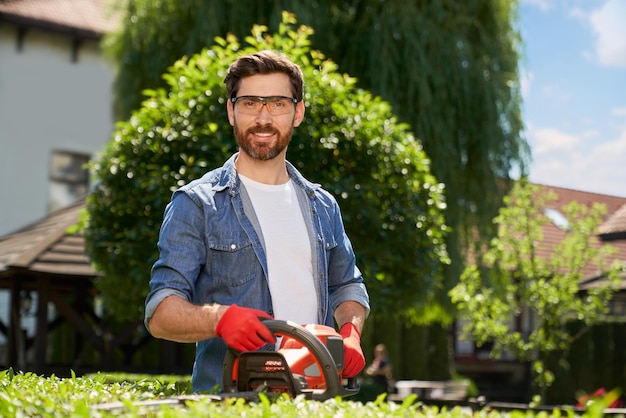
column 315, row 346
column 352, row 387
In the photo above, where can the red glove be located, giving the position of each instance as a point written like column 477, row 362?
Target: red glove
column 242, row 329
column 353, row 358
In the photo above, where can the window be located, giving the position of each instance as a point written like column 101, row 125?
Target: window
column 69, row 178
column 557, row 218
column 617, row 308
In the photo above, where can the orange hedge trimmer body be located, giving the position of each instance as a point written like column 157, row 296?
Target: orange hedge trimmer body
column 308, row 361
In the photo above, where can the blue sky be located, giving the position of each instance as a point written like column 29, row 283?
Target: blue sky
column 574, row 91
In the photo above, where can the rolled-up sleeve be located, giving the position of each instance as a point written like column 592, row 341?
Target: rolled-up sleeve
column 355, row 292
column 182, row 254
column 345, row 278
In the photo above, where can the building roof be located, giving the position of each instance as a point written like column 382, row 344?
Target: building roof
column 47, row 247
column 88, row 19
column 615, row 225
column 611, row 232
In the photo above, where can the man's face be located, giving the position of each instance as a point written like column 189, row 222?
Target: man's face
column 264, row 136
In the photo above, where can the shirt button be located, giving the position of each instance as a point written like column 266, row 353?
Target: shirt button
column 233, row 246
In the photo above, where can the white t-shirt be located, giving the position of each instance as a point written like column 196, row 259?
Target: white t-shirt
column 288, row 250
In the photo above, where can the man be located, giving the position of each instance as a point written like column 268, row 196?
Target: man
column 254, row 238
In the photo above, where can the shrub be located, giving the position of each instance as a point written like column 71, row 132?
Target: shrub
column 350, row 142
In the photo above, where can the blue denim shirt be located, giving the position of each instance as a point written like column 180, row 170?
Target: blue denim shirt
column 212, row 251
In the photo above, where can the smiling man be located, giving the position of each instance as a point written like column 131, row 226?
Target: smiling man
column 254, row 238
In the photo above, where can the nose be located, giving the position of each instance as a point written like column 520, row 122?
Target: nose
column 264, row 114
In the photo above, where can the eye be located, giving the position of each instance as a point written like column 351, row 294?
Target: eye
column 248, row 103
column 280, row 103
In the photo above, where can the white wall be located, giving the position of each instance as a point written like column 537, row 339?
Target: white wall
column 47, row 102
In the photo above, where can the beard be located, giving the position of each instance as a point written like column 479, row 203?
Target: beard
column 262, row 151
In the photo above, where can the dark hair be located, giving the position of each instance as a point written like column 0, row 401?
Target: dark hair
column 263, row 62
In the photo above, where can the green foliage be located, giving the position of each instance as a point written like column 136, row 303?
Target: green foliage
column 166, row 384
column 513, row 283
column 449, row 69
column 27, row 394
column 350, row 142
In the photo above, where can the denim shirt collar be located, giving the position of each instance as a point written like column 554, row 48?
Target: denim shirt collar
column 230, row 180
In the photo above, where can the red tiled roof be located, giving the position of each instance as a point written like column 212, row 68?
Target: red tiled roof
column 565, row 196
column 83, row 18
column 614, row 221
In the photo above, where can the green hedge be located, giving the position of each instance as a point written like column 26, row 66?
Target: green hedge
column 99, row 395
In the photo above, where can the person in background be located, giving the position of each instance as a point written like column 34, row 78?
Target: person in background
column 255, row 239
column 380, row 369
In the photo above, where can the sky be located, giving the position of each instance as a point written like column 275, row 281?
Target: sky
column 573, row 75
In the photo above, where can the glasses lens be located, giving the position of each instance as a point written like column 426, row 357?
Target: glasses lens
column 276, row 105
column 279, row 105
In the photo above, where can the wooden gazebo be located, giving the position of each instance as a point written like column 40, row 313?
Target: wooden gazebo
column 44, row 265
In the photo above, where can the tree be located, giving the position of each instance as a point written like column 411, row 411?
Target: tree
column 448, row 68
column 512, row 281
column 350, row 142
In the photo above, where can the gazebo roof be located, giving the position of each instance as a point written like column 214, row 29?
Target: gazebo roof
column 88, row 19
column 47, row 247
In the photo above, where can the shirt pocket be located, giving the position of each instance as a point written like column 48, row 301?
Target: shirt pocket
column 232, row 259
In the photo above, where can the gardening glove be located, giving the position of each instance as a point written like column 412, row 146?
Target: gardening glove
column 242, row 329
column 353, row 358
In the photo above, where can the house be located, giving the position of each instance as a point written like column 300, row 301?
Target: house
column 505, row 376
column 55, row 103
column 55, row 106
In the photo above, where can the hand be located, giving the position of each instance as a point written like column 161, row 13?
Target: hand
column 353, row 358
column 242, row 329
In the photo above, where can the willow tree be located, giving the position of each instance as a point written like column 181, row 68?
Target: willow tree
column 449, row 69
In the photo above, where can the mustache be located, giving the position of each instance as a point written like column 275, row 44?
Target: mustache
column 262, row 130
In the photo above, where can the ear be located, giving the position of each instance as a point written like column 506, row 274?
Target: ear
column 231, row 112
column 299, row 116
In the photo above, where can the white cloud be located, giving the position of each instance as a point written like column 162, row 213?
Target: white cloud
column 607, row 173
column 578, row 162
column 549, row 141
column 619, row 112
column 578, row 13
column 609, row 26
column 581, row 142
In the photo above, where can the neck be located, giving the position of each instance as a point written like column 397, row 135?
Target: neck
column 272, row 171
